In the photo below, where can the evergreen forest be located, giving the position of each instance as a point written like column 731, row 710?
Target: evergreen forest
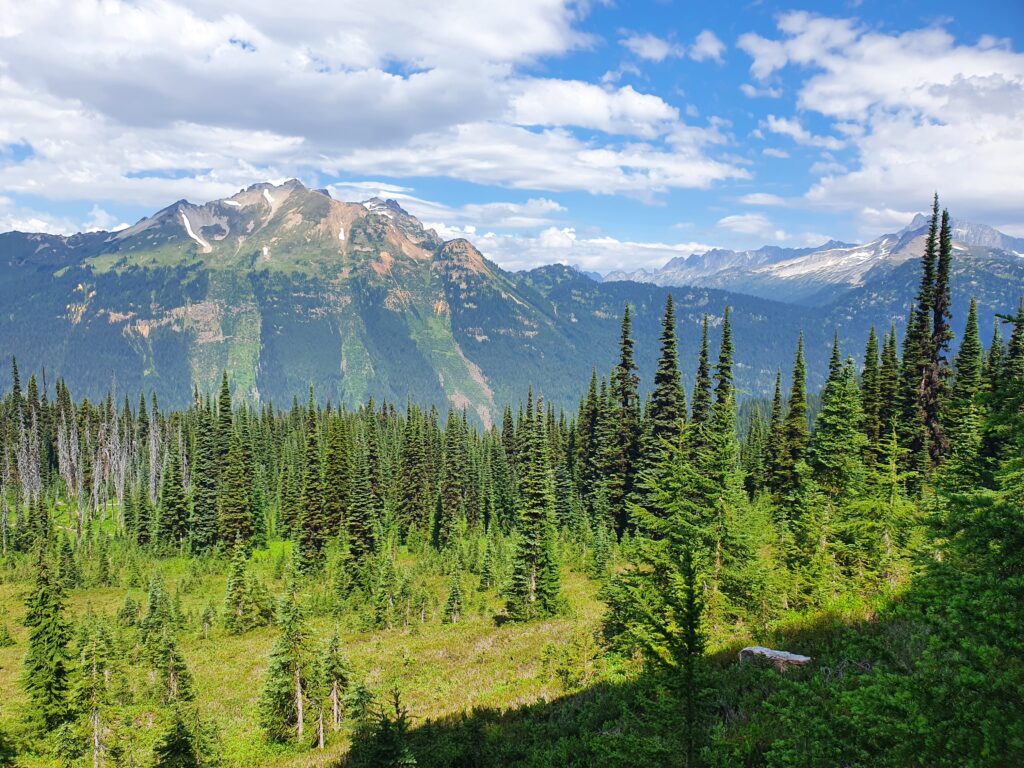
column 316, row 585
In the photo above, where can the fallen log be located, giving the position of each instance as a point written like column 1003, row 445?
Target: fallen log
column 781, row 660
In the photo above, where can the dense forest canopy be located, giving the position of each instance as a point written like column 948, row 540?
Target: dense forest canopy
column 877, row 526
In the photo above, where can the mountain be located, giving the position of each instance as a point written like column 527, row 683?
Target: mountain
column 822, row 275
column 286, row 288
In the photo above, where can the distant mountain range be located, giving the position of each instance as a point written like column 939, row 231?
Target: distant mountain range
column 819, row 276
column 284, row 288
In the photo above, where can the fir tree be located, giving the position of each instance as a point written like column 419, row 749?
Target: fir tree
column 174, row 511
column 795, row 430
column 145, row 521
column 870, row 393
column 312, row 533
column 203, row 528
column 234, row 507
column 624, row 385
column 337, row 478
column 668, row 402
column 701, row 408
column 535, row 579
column 453, row 606
column 362, row 514
column 964, row 415
column 283, row 703
column 46, row 670
column 176, row 746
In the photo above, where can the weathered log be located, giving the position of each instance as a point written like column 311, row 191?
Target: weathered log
column 781, row 660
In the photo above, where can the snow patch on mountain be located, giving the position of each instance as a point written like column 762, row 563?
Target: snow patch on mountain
column 188, row 228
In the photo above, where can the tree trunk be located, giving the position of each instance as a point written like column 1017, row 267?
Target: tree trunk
column 335, row 706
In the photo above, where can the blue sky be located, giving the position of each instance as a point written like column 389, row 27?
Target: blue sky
column 609, row 135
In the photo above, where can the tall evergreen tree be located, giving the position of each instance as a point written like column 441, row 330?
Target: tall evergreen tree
column 624, row 390
column 535, row 581
column 47, row 667
column 174, row 509
column 204, row 526
column 870, row 394
column 964, row 414
column 668, row 402
column 701, row 401
column 234, row 507
column 282, row 711
column 796, row 432
column 312, row 524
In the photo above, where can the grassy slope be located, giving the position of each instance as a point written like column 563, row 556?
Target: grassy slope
column 440, row 669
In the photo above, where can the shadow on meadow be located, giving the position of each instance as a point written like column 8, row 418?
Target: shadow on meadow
column 751, row 714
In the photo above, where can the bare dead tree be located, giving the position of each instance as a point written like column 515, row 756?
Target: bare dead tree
column 28, row 459
column 69, row 460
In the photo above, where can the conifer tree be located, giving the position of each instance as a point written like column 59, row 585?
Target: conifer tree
column 237, row 602
column 92, row 689
column 172, row 672
column 174, row 511
column 964, row 413
column 836, row 449
column 203, row 526
column 535, row 582
column 312, row 533
column 145, row 517
column 624, row 460
column 888, row 385
column 234, row 506
column 453, row 606
column 46, row 670
column 283, row 703
column 176, row 746
column 870, row 393
column 701, row 408
column 362, row 516
column 668, row 402
column 225, row 428
column 776, row 437
column 337, row 477
column 795, row 431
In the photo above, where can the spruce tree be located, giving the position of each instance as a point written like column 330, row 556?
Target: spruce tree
column 146, row 522
column 362, row 515
column 337, row 477
column 234, row 507
column 176, row 747
column 535, row 581
column 203, row 526
column 312, row 533
column 283, row 702
column 174, row 512
column 964, row 414
column 46, row 669
column 795, row 431
column 668, row 402
column 701, row 401
column 870, row 393
column 624, row 457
